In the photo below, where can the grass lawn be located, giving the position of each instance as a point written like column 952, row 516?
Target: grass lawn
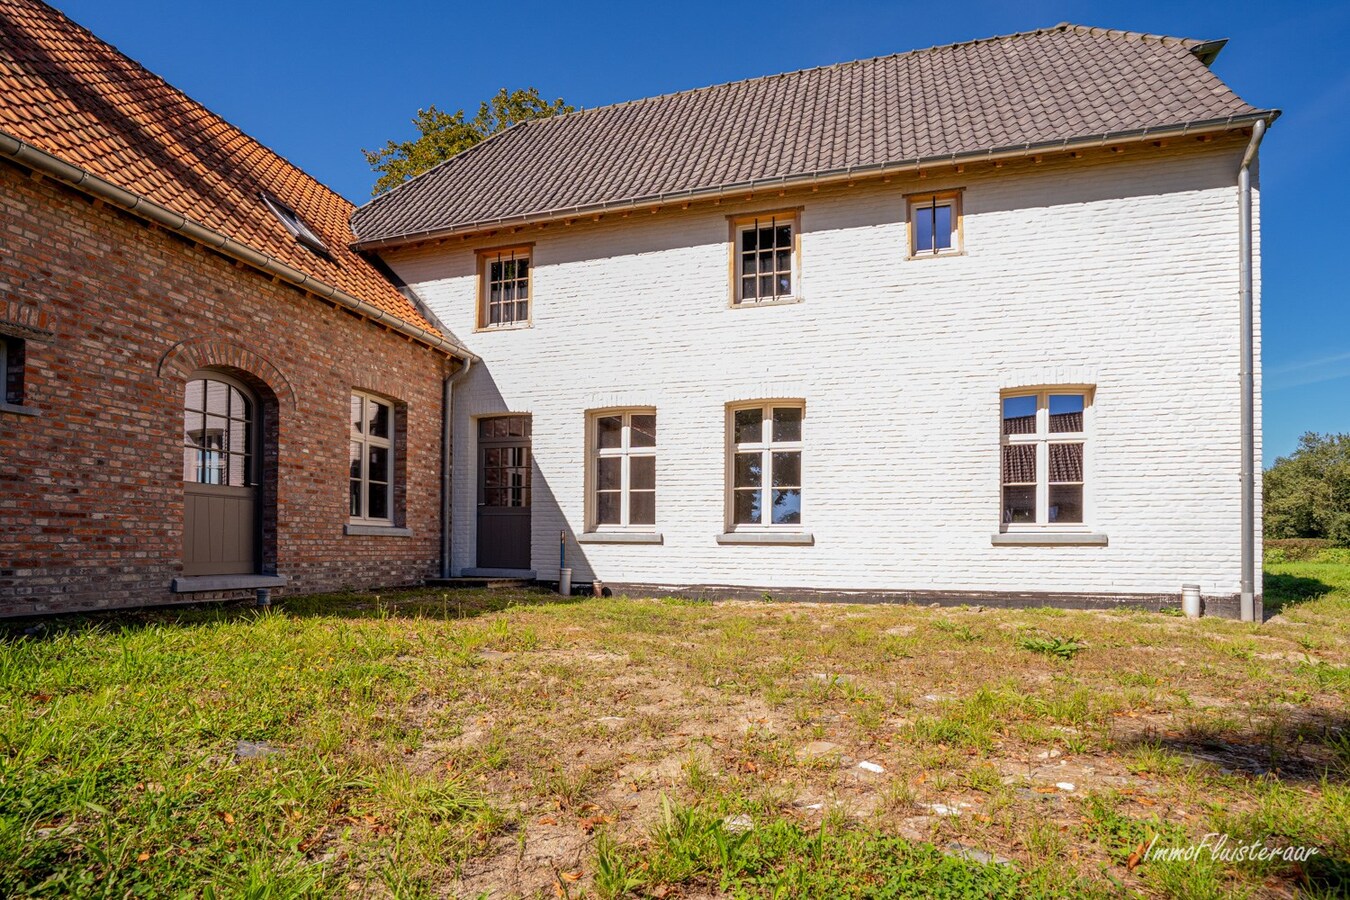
column 511, row 744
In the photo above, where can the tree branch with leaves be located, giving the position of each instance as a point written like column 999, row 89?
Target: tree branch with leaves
column 441, row 135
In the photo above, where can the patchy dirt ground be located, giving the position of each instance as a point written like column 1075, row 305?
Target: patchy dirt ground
column 933, row 724
column 512, row 745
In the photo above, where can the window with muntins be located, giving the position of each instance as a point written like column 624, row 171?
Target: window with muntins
column 765, row 258
column 766, row 465
column 371, row 478
column 935, row 224
column 218, row 422
column 1044, row 437
column 505, row 288
column 623, row 473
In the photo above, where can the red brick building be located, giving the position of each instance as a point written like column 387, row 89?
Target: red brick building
column 206, row 390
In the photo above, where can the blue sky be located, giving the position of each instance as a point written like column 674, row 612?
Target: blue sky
column 320, row 81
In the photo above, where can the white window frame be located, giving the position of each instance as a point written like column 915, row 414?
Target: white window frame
column 921, row 204
column 766, row 445
column 1042, row 438
column 367, row 441
column 740, row 224
column 625, row 452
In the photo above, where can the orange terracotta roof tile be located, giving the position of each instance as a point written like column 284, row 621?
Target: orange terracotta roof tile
column 68, row 93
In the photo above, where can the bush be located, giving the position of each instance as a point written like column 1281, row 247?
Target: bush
column 1314, row 550
column 1307, row 494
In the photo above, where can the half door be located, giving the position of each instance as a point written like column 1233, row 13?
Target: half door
column 220, row 481
column 504, row 492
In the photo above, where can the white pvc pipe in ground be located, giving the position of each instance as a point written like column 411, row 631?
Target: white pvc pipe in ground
column 1190, row 600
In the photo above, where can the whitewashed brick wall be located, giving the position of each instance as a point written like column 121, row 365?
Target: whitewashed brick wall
column 1117, row 270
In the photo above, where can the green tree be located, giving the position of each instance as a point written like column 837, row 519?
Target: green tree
column 1307, row 494
column 441, row 135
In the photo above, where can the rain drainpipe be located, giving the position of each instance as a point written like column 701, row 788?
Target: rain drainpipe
column 447, row 434
column 1247, row 599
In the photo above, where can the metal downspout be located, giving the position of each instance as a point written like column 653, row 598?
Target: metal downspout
column 447, row 458
column 1247, row 599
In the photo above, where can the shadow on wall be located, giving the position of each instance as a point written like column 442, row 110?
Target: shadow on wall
column 552, row 535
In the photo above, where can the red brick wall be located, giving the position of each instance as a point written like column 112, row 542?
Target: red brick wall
column 91, row 496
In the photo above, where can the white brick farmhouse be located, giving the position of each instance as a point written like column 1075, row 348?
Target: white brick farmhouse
column 957, row 325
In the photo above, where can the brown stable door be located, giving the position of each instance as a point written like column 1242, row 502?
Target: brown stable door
column 504, row 492
column 220, row 483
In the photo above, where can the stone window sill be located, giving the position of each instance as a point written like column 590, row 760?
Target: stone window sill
column 354, row 528
column 1048, row 539
column 18, row 410
column 768, row 538
column 778, row 301
column 621, row 537
column 193, row 584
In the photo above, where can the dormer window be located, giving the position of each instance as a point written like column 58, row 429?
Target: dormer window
column 295, row 225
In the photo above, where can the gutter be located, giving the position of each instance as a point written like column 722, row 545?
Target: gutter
column 1247, row 598
column 41, row 161
column 447, row 458
column 824, row 177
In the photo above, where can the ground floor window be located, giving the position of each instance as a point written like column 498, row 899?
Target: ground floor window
column 1044, row 442
column 11, row 370
column 623, row 469
column 765, row 464
column 371, row 456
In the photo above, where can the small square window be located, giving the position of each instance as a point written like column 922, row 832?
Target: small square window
column 504, row 289
column 764, row 258
column 935, row 224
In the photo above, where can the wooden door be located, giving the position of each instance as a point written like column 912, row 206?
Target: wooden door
column 220, row 483
column 504, row 492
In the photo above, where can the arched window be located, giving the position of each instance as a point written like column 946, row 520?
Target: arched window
column 218, row 434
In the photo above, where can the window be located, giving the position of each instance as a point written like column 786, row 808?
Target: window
column 372, row 459
column 12, row 351
column 297, row 226
column 766, row 465
column 505, row 288
column 764, row 257
column 504, row 442
column 1044, row 435
column 218, row 422
column 935, row 224
column 623, row 472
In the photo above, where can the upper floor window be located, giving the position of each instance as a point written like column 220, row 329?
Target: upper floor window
column 623, row 477
column 935, row 223
column 504, row 290
column 371, row 477
column 765, row 251
column 218, row 434
column 298, row 227
column 766, row 464
column 1044, row 437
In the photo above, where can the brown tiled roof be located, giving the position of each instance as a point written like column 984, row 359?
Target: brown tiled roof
column 65, row 92
column 1035, row 88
